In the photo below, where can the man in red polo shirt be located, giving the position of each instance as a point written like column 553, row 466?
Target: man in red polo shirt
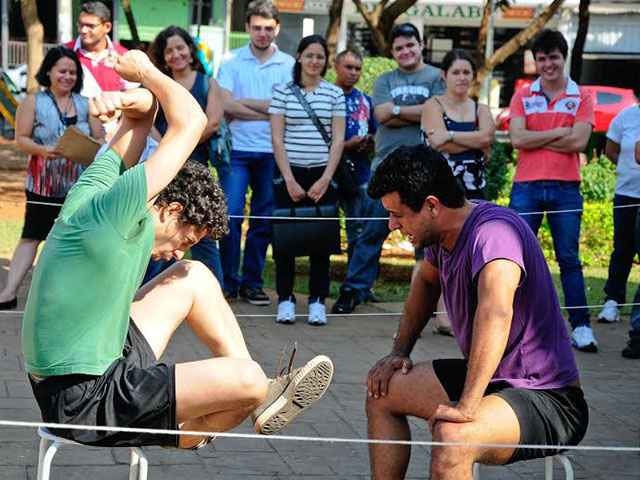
column 550, row 125
column 96, row 51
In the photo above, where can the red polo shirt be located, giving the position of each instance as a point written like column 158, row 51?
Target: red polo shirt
column 540, row 113
column 99, row 74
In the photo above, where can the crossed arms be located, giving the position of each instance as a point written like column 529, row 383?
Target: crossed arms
column 560, row 139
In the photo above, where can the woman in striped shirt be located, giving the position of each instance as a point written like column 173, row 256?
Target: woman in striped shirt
column 306, row 163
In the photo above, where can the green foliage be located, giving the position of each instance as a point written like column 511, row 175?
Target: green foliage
column 598, row 180
column 496, row 172
column 372, row 67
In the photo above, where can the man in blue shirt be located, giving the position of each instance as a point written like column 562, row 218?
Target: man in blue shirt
column 359, row 142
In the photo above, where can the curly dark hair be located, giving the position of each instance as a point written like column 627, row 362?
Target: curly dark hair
column 415, row 173
column 203, row 201
column 50, row 60
column 160, row 43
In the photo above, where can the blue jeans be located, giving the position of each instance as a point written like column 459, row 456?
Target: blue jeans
column 205, row 251
column 255, row 170
column 551, row 195
column 365, row 258
column 356, row 207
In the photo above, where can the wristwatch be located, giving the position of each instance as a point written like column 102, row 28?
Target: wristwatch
column 396, row 110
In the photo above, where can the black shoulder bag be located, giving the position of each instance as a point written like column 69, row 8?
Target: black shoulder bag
column 345, row 174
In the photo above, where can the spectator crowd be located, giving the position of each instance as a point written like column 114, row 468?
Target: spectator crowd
column 300, row 142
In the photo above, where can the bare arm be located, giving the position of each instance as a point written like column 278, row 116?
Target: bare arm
column 25, row 118
column 481, row 138
column 409, row 114
column 280, row 153
column 433, row 124
column 214, row 111
column 260, row 106
column 96, row 129
column 576, row 141
column 319, row 188
column 421, row 303
column 612, row 151
column 237, row 110
column 529, row 139
column 637, row 152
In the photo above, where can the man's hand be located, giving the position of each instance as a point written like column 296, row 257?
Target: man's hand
column 106, row 106
column 133, row 66
column 367, row 145
column 379, row 376
column 450, row 413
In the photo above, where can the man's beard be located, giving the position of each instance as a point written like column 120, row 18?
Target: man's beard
column 262, row 49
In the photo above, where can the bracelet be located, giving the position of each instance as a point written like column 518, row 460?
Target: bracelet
column 451, row 135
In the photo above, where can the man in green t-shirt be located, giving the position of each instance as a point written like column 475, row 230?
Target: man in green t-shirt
column 92, row 340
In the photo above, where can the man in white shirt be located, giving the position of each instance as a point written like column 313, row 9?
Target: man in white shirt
column 246, row 78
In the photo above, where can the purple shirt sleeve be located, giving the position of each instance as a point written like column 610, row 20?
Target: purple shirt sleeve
column 497, row 239
column 431, row 256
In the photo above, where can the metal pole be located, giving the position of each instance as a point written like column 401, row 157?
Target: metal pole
column 65, row 21
column 198, row 15
column 228, row 5
column 115, row 15
column 5, row 35
column 488, row 52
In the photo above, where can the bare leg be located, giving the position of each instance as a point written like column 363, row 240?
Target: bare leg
column 496, row 422
column 418, row 393
column 214, row 394
column 23, row 257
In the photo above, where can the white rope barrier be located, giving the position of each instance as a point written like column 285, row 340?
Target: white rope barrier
column 296, row 438
column 371, row 314
column 268, row 217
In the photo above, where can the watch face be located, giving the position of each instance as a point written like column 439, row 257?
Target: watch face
column 396, row 109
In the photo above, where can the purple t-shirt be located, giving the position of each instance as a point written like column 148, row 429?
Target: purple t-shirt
column 538, row 353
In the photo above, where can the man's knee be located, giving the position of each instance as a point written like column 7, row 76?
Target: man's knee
column 253, row 382
column 444, row 457
column 198, row 274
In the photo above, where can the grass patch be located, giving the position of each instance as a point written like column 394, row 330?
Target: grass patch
column 10, row 231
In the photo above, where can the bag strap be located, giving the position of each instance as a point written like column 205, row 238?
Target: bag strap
column 312, row 115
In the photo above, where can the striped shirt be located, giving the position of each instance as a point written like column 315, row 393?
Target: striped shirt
column 304, row 144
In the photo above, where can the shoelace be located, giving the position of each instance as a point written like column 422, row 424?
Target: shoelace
column 279, row 371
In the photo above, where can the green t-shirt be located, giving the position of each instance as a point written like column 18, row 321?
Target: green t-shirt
column 93, row 261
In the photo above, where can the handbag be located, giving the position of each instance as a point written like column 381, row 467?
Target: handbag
column 301, row 238
column 345, row 174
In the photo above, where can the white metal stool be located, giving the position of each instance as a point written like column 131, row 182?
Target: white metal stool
column 50, row 443
column 548, row 474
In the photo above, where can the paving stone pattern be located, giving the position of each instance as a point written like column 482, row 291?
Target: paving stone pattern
column 611, row 384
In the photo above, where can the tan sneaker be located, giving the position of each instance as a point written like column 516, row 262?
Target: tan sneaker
column 289, row 395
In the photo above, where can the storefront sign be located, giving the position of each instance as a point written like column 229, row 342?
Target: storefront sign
column 518, row 13
column 439, row 11
column 290, row 5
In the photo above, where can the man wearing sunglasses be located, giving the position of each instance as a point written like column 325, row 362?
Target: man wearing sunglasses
column 96, row 51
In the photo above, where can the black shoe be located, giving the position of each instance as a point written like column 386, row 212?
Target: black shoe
column 372, row 297
column 231, row 294
column 9, row 304
column 632, row 350
column 255, row 296
column 346, row 303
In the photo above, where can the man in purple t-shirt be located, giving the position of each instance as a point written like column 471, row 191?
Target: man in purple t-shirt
column 518, row 382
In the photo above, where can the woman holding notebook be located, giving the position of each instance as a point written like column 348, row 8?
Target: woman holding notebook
column 41, row 119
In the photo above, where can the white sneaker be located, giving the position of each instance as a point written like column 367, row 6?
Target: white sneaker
column 610, row 313
column 286, row 312
column 317, row 314
column 582, row 338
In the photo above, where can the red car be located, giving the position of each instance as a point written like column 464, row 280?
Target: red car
column 608, row 102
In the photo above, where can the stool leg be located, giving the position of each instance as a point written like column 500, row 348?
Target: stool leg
column 143, row 463
column 568, row 469
column 476, row 471
column 548, row 468
column 48, row 449
column 134, row 464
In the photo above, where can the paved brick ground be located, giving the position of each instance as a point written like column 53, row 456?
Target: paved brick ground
column 611, row 384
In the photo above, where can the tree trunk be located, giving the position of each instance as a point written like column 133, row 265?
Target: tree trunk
column 382, row 19
column 581, row 37
column 135, row 38
column 335, row 17
column 481, row 45
column 512, row 46
column 35, row 38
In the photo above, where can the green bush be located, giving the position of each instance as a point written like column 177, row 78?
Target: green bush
column 496, row 172
column 372, row 67
column 598, row 180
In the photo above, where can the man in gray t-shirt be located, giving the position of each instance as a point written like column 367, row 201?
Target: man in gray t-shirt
column 398, row 96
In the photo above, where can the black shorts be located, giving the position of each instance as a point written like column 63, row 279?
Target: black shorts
column 38, row 219
column 547, row 417
column 135, row 392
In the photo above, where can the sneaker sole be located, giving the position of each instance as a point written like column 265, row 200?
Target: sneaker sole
column 306, row 388
column 606, row 320
column 257, row 303
column 286, row 321
column 591, row 348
